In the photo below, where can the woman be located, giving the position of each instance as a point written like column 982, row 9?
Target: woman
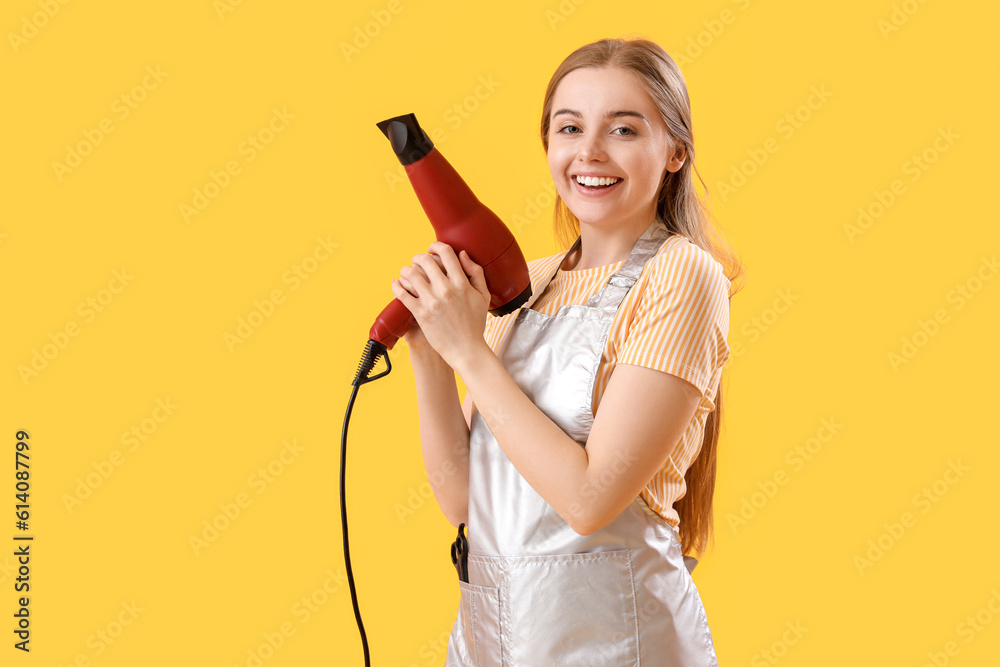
column 586, row 407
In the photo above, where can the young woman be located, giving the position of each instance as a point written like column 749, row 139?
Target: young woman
column 583, row 457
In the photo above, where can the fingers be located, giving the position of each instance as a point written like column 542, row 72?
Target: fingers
column 439, row 266
column 406, row 284
column 476, row 276
column 453, row 267
column 413, row 280
column 403, row 295
column 431, row 271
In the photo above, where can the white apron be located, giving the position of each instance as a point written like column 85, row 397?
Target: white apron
column 540, row 594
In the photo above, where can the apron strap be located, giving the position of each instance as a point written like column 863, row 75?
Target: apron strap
column 613, row 293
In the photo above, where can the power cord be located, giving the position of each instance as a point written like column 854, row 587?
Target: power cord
column 373, row 350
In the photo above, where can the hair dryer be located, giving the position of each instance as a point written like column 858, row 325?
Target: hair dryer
column 460, row 220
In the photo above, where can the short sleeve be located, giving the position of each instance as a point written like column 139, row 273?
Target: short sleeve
column 680, row 323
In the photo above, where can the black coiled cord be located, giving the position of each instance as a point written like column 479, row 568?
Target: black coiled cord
column 373, row 350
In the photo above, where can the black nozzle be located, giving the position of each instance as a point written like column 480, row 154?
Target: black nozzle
column 373, row 350
column 408, row 139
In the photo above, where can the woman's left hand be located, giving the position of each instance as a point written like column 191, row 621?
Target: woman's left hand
column 449, row 300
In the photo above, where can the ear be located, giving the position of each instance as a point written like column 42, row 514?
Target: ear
column 676, row 161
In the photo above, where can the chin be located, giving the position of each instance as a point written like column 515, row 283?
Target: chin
column 590, row 217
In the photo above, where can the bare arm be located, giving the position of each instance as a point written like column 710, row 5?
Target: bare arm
column 444, row 432
column 642, row 415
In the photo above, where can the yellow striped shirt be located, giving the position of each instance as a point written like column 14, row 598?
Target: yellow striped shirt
column 675, row 319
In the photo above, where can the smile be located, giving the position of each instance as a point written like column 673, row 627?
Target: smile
column 592, row 181
column 592, row 186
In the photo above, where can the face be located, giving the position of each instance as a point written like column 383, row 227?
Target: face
column 604, row 125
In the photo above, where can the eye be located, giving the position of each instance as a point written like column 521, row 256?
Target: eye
column 628, row 130
column 568, row 127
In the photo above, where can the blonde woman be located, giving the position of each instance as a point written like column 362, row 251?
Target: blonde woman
column 582, row 459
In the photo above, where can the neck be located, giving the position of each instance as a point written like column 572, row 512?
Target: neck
column 602, row 246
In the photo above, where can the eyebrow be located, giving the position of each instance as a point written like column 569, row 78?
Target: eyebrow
column 610, row 114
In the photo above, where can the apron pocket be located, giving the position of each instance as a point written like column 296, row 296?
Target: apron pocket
column 480, row 618
column 570, row 609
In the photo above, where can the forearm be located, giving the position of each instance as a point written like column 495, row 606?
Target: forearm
column 444, row 434
column 535, row 445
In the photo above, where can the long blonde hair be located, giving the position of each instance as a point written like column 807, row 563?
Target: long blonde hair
column 681, row 210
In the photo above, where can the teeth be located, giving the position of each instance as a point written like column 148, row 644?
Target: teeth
column 591, row 180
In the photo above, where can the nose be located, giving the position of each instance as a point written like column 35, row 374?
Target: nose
column 592, row 148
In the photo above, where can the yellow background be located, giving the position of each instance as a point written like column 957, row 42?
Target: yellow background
column 815, row 328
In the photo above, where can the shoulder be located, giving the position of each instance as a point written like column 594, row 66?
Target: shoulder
column 541, row 264
column 679, row 263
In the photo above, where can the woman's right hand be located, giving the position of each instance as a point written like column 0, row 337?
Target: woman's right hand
column 415, row 338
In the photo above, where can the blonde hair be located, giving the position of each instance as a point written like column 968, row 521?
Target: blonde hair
column 681, row 211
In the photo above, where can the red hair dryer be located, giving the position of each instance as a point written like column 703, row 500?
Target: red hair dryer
column 460, row 220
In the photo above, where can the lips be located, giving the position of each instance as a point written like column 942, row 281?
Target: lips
column 595, row 190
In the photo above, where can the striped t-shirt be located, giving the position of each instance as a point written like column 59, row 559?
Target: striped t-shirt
column 674, row 319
